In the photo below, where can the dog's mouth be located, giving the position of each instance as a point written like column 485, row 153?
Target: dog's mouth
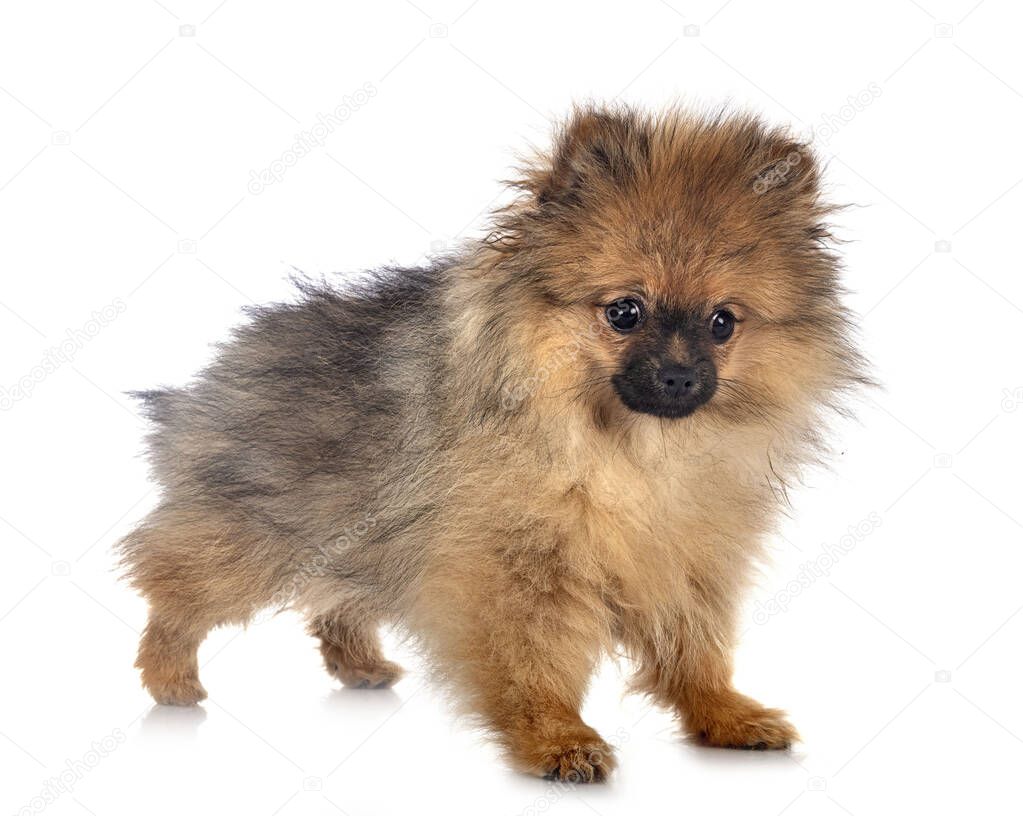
column 670, row 391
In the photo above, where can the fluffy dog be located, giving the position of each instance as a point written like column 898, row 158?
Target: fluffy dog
column 567, row 439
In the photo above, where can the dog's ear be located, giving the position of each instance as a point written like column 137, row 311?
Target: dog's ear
column 784, row 178
column 595, row 149
column 786, row 167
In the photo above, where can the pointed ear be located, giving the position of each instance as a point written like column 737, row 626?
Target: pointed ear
column 594, row 150
column 787, row 165
column 785, row 180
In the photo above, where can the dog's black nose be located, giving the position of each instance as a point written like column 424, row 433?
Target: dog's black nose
column 677, row 381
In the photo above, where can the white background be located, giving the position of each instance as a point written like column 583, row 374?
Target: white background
column 127, row 147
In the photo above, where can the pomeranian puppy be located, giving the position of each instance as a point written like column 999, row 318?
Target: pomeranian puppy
column 567, row 439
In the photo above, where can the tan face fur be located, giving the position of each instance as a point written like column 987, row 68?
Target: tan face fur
column 687, row 216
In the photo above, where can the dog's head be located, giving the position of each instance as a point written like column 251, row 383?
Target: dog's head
column 683, row 261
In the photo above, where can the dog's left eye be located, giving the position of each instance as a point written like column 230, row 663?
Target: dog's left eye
column 624, row 314
column 722, row 324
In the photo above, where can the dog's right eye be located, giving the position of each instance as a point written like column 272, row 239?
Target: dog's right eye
column 624, row 315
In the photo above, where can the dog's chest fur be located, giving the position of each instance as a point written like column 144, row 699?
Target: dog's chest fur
column 660, row 517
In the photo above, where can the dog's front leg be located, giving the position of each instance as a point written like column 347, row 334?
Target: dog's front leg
column 690, row 671
column 519, row 642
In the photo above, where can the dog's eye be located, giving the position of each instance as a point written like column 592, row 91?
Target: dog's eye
column 722, row 324
column 624, row 315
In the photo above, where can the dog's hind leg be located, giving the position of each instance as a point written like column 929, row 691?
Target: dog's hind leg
column 197, row 571
column 168, row 658
column 351, row 650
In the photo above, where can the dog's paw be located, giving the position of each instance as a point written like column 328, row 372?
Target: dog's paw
column 592, row 762
column 179, row 691
column 580, row 755
column 739, row 722
column 379, row 675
